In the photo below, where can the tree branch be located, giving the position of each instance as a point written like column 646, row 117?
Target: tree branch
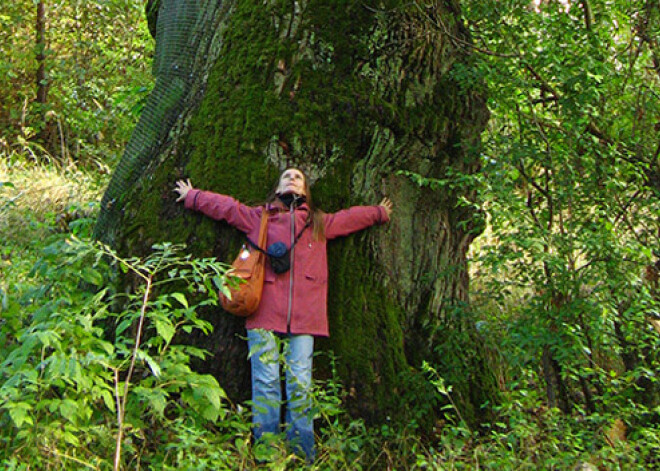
column 136, row 349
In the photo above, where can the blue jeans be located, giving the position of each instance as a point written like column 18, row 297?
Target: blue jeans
column 266, row 387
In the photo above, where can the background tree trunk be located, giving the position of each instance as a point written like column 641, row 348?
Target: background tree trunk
column 356, row 94
column 41, row 79
column 42, row 89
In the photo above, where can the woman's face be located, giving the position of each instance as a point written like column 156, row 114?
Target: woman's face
column 291, row 181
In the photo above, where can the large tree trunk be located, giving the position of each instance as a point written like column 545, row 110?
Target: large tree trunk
column 355, row 93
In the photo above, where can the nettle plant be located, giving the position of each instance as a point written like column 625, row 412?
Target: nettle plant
column 92, row 377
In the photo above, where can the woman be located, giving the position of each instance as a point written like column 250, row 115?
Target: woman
column 293, row 303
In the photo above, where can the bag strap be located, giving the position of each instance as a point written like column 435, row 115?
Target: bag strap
column 307, row 224
column 263, row 232
column 295, row 241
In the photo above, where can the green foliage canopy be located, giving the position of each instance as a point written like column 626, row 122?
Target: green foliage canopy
column 97, row 61
column 570, row 185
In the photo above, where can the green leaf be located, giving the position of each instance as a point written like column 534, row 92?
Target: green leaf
column 181, row 298
column 153, row 366
column 224, row 289
column 156, row 398
column 74, row 370
column 213, row 395
column 219, row 282
column 68, row 409
column 91, row 276
column 19, row 413
column 210, row 413
column 108, row 399
column 123, row 325
column 71, row 438
column 165, row 329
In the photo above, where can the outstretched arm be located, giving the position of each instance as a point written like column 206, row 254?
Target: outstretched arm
column 218, row 206
column 356, row 218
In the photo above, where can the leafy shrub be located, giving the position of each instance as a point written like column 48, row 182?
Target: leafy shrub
column 66, row 386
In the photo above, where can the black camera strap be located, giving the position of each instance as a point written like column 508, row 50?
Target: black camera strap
column 295, row 241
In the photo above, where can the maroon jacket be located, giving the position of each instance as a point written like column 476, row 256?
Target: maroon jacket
column 294, row 301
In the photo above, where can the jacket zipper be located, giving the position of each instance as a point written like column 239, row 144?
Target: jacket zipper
column 293, row 236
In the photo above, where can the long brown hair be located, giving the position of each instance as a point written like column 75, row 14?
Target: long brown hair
column 315, row 214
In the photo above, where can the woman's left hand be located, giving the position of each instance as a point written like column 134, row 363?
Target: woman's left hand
column 387, row 204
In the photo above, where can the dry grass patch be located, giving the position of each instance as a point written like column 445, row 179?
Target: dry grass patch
column 38, row 193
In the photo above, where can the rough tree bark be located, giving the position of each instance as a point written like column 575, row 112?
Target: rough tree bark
column 355, row 93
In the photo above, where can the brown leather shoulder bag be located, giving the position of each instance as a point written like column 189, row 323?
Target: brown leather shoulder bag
column 246, row 279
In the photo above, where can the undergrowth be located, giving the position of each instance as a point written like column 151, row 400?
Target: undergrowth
column 95, row 379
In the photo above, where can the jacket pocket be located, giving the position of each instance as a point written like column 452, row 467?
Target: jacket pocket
column 315, row 278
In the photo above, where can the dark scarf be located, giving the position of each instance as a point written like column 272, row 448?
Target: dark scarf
column 289, row 199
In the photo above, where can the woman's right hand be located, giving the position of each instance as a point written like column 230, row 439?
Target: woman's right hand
column 182, row 188
column 386, row 203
